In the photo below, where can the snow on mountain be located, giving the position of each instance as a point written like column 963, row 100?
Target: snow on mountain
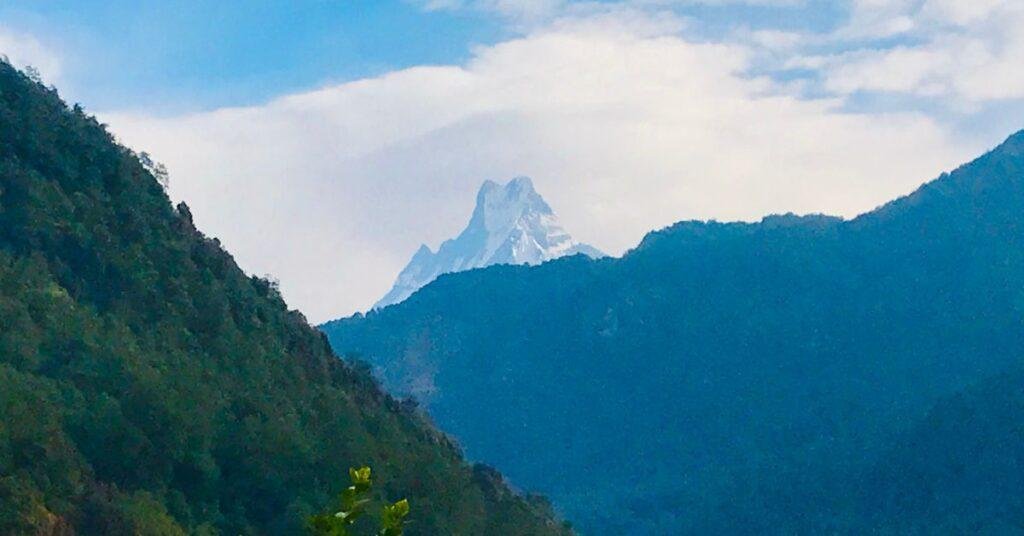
column 511, row 224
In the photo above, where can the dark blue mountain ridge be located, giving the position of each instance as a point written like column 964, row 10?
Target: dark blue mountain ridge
column 722, row 377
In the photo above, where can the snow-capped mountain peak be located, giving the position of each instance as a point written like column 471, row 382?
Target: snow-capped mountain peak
column 511, row 224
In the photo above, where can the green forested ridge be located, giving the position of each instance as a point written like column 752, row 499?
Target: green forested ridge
column 147, row 386
column 768, row 377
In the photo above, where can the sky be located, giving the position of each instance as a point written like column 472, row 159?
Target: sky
column 324, row 140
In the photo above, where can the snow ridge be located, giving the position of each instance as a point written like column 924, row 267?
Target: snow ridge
column 511, row 224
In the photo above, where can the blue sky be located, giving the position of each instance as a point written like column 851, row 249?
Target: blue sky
column 324, row 141
column 171, row 54
column 176, row 55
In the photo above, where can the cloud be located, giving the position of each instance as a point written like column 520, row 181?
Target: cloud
column 623, row 127
column 877, row 19
column 25, row 50
column 959, row 12
column 962, row 53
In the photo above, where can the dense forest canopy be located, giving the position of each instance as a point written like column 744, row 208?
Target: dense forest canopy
column 148, row 386
column 762, row 374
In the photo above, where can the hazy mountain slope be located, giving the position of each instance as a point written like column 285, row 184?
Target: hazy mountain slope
column 511, row 224
column 958, row 470
column 147, row 386
column 741, row 375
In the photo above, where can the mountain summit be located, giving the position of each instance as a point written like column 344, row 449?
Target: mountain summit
column 511, row 224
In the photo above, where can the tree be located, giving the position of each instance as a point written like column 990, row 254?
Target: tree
column 158, row 170
column 33, row 74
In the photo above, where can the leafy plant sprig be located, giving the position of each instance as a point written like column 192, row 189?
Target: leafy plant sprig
column 353, row 502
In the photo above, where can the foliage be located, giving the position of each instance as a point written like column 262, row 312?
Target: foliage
column 393, row 518
column 759, row 370
column 149, row 386
column 156, row 169
column 352, row 503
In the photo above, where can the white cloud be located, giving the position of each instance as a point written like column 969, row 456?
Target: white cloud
column 963, row 53
column 25, row 50
column 961, row 12
column 623, row 128
column 878, row 18
column 776, row 40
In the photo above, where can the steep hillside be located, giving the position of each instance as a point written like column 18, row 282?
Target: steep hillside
column 721, row 376
column 148, row 386
column 958, row 470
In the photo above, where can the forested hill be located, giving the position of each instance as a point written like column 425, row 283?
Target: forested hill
column 758, row 373
column 148, row 386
